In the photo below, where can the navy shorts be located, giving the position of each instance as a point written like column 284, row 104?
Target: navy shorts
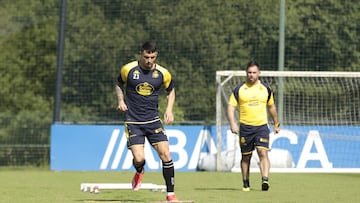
column 253, row 136
column 136, row 132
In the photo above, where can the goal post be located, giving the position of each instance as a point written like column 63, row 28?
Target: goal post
column 307, row 98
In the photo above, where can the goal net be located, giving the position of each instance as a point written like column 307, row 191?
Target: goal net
column 323, row 107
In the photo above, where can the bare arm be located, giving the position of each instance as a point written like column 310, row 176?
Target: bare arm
column 169, row 116
column 273, row 114
column 230, row 114
column 120, row 97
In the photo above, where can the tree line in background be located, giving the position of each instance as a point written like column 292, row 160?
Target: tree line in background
column 195, row 38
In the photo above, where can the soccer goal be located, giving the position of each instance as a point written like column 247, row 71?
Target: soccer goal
column 305, row 100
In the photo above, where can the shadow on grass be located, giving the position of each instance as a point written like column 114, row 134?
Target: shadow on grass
column 109, row 200
column 223, row 189
column 228, row 189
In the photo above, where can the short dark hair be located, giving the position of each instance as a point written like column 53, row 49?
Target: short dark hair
column 149, row 46
column 252, row 63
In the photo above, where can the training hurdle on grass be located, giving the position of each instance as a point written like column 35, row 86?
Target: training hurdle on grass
column 96, row 187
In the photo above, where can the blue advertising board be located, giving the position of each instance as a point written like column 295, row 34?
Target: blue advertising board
column 103, row 147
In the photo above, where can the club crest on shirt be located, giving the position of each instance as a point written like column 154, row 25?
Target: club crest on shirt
column 155, row 74
column 145, row 89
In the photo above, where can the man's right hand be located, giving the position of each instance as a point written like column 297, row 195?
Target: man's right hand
column 234, row 128
column 122, row 107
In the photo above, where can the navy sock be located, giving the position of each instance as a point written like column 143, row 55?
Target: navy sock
column 169, row 175
column 138, row 166
column 246, row 183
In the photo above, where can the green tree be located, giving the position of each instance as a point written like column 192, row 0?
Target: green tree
column 324, row 33
column 27, row 55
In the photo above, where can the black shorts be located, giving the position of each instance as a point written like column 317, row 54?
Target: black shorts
column 253, row 136
column 136, row 132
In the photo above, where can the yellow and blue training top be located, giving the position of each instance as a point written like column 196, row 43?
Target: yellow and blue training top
column 252, row 101
column 142, row 90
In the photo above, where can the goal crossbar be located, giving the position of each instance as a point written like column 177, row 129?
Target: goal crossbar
column 291, row 73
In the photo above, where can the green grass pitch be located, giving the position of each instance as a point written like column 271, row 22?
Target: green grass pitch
column 44, row 186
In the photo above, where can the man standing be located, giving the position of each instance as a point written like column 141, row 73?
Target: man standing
column 253, row 98
column 143, row 80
